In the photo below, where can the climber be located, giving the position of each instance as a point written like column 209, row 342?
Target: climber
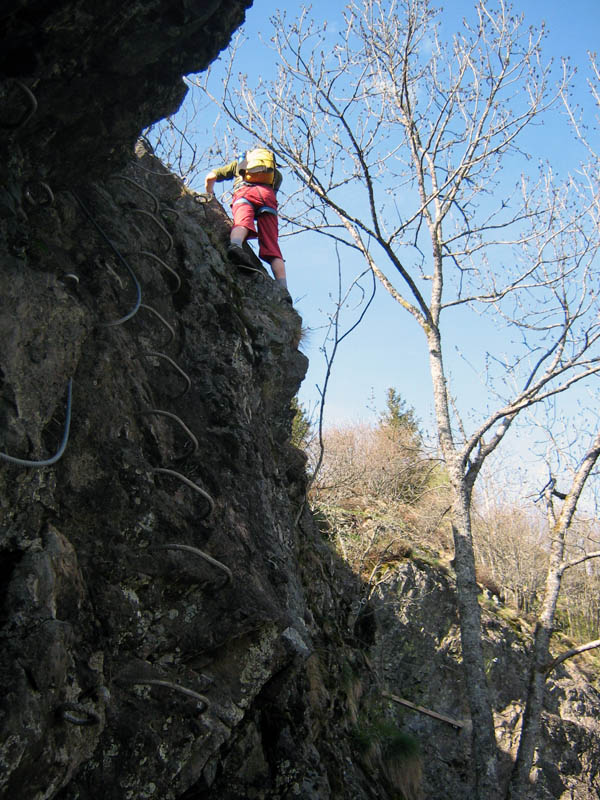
column 256, row 182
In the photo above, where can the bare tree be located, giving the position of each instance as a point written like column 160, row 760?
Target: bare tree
column 561, row 559
column 510, row 548
column 402, row 145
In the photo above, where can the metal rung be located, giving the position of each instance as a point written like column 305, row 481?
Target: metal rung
column 201, row 554
column 175, row 687
column 32, row 106
column 189, row 483
column 24, row 462
column 177, row 419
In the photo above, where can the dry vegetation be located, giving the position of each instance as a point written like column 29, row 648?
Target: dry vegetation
column 381, row 495
column 383, row 498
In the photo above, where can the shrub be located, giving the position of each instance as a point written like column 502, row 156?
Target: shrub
column 393, row 753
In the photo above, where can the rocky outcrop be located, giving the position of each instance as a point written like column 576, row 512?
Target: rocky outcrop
column 173, row 624
column 78, row 82
column 117, row 572
column 416, row 652
column 153, row 616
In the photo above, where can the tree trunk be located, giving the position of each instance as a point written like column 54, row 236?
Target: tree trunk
column 532, row 715
column 534, row 702
column 483, row 739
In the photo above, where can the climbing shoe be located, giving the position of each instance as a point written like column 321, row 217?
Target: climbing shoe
column 237, row 255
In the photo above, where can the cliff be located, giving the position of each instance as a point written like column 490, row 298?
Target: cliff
column 78, row 82
column 99, row 590
column 173, row 623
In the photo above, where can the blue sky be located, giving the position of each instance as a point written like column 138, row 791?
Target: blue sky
column 388, row 349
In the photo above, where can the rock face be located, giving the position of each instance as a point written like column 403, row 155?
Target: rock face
column 172, row 622
column 123, row 562
column 416, row 652
column 78, row 82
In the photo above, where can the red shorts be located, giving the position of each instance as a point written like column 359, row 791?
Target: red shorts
column 258, row 203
